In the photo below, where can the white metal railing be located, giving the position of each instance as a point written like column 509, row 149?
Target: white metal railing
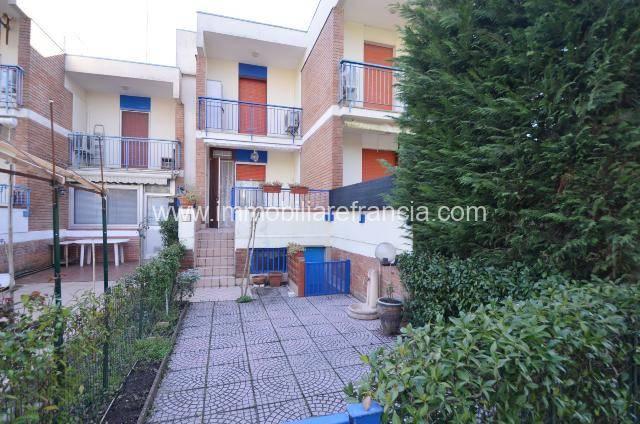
column 368, row 86
column 11, row 80
column 123, row 152
column 251, row 197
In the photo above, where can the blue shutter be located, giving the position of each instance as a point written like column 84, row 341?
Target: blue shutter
column 252, row 71
column 140, row 104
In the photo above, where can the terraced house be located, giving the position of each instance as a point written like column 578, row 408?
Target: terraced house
column 246, row 105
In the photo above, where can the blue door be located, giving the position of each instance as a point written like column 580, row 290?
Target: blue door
column 324, row 277
column 314, row 254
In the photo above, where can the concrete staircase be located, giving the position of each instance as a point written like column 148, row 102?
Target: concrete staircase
column 215, row 257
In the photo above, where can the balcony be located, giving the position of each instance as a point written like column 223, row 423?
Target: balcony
column 256, row 119
column 11, row 77
column 252, row 197
column 123, row 152
column 368, row 86
column 21, row 197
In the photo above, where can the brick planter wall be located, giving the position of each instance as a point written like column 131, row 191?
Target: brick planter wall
column 360, row 266
column 295, row 269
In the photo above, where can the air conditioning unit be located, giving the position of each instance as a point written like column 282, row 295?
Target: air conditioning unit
column 349, row 84
column 292, row 121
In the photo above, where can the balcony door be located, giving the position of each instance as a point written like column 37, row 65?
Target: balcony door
column 378, row 82
column 252, row 117
column 134, row 152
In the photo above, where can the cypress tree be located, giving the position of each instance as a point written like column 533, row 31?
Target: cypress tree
column 530, row 108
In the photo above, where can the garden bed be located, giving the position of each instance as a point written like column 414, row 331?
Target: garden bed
column 127, row 406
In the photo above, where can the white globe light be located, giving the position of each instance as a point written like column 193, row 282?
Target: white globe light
column 386, row 253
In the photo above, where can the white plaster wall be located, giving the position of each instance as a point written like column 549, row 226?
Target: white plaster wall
column 188, row 97
column 187, row 227
column 356, row 34
column 186, row 51
column 281, row 167
column 348, row 234
column 79, row 115
column 306, row 228
column 9, row 52
column 351, row 159
column 281, row 87
column 103, row 109
column 225, row 71
column 162, row 118
column 20, row 222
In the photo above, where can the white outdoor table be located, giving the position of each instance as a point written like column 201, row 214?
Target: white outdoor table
column 118, row 249
column 65, row 244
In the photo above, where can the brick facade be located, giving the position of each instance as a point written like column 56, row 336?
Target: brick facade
column 321, row 156
column 296, row 271
column 202, row 160
column 360, row 266
column 27, row 256
column 241, row 257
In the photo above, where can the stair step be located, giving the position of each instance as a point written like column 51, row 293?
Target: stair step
column 216, row 271
column 215, row 244
column 215, row 253
column 215, row 261
column 214, row 236
column 212, row 282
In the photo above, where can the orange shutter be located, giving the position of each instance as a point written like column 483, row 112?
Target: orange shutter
column 253, row 118
column 134, row 153
column 378, row 82
column 246, row 172
column 372, row 168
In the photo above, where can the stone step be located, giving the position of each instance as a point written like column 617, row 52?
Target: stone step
column 213, row 282
column 204, row 261
column 215, row 235
column 215, row 253
column 216, row 271
column 214, row 244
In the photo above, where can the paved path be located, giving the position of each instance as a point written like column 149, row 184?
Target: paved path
column 270, row 361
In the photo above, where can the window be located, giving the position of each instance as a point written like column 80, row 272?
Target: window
column 122, row 207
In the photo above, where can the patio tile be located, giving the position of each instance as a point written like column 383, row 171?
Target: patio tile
column 276, row 413
column 319, row 382
column 265, row 350
column 369, row 349
column 230, row 355
column 196, row 322
column 228, row 397
column 298, row 347
column 226, row 329
column 383, row 338
column 290, row 321
column 225, row 319
column 262, row 316
column 308, row 362
column 251, row 326
column 183, row 380
column 261, row 337
column 270, row 367
column 343, row 357
column 191, row 344
column 334, row 342
column 373, row 324
column 312, row 319
column 321, row 330
column 352, row 373
column 276, row 389
column 346, row 327
column 292, row 333
column 192, row 332
column 190, row 420
column 228, row 373
column 188, row 359
column 221, row 341
column 327, row 404
column 361, row 339
column 176, row 405
column 243, row 416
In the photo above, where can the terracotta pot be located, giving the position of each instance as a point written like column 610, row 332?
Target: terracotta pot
column 275, row 279
column 185, row 202
column 300, row 190
column 271, row 189
column 390, row 313
column 259, row 279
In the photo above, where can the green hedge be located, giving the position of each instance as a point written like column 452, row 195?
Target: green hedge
column 447, row 286
column 569, row 356
column 37, row 385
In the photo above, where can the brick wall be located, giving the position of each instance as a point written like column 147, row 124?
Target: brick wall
column 296, row 270
column 321, row 157
column 201, row 151
column 360, row 266
column 180, row 131
column 27, row 256
column 241, row 257
column 320, row 78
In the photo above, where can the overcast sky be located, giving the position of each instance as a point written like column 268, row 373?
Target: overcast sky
column 144, row 30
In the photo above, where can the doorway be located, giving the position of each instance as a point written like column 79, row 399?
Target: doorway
column 134, row 152
column 221, row 181
column 378, row 82
column 253, row 106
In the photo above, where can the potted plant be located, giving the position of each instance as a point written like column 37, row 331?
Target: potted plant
column 259, row 279
column 294, row 249
column 271, row 187
column 188, row 199
column 390, row 313
column 297, row 188
column 275, row 278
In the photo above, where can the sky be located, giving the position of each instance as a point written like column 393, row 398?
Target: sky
column 144, row 30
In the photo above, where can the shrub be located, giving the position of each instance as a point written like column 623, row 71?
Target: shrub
column 528, row 108
column 152, row 349
column 568, row 356
column 448, row 286
column 169, row 230
column 186, row 283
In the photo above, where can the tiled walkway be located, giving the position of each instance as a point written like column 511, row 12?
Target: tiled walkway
column 270, row 361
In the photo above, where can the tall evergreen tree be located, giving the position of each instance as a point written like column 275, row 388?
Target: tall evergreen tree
column 532, row 109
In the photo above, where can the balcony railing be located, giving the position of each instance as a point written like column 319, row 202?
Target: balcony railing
column 368, row 86
column 123, row 152
column 11, row 77
column 248, row 118
column 21, row 196
column 251, row 197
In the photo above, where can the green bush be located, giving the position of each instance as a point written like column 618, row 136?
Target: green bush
column 169, row 230
column 530, row 109
column 152, row 349
column 569, row 356
column 447, row 286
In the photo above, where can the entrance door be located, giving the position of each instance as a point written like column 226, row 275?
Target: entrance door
column 252, row 109
column 221, row 180
column 378, row 82
column 157, row 210
column 134, row 152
